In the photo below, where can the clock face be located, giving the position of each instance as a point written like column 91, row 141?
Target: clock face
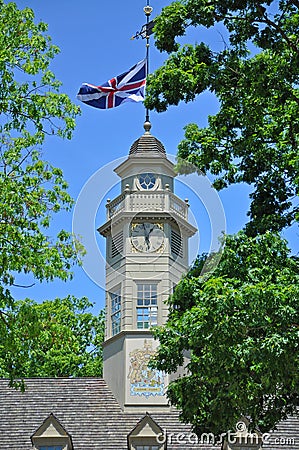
column 147, row 236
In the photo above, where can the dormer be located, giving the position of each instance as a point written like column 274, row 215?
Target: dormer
column 51, row 436
column 147, row 435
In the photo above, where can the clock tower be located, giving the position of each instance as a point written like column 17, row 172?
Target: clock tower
column 147, row 232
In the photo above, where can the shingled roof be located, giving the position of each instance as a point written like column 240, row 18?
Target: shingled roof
column 147, row 145
column 87, row 410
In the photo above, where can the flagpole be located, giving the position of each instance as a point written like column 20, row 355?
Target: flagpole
column 147, row 10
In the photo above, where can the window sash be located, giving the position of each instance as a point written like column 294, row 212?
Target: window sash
column 146, row 294
column 115, row 311
column 147, row 447
column 147, row 310
column 147, row 317
column 51, row 447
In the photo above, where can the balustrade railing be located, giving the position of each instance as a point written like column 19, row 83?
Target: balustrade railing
column 116, row 205
column 147, row 201
column 177, row 205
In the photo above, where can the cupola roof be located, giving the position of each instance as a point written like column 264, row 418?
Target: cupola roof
column 147, row 144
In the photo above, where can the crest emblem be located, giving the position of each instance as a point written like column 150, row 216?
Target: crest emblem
column 143, row 379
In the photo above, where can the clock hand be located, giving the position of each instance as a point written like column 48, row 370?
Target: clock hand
column 146, row 233
column 147, row 241
column 146, row 237
column 151, row 229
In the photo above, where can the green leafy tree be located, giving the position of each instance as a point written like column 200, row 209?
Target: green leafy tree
column 240, row 325
column 240, row 328
column 254, row 136
column 31, row 190
column 30, row 100
column 63, row 338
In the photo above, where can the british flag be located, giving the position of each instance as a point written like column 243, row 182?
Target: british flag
column 127, row 87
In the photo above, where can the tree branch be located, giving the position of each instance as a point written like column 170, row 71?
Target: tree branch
column 276, row 27
column 2, row 314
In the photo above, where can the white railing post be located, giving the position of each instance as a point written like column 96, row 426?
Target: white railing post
column 108, row 208
column 167, row 198
column 127, row 197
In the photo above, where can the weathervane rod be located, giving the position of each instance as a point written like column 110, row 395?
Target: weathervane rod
column 147, row 10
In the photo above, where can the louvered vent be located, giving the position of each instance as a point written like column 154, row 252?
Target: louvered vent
column 176, row 244
column 117, row 244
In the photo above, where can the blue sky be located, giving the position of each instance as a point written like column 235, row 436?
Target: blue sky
column 95, row 46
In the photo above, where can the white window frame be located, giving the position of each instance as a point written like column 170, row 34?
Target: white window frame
column 115, row 316
column 147, row 305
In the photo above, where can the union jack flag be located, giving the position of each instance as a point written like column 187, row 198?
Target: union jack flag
column 127, row 87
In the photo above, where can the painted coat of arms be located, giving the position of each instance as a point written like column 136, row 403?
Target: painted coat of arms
column 144, row 380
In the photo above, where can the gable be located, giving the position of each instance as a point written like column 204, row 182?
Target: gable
column 51, row 434
column 51, row 427
column 146, row 435
column 147, row 427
